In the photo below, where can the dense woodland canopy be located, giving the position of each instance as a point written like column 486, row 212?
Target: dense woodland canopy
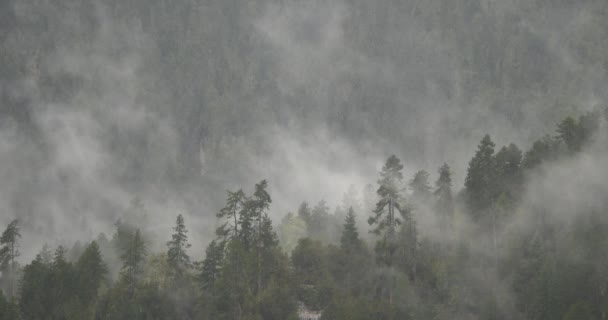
column 472, row 133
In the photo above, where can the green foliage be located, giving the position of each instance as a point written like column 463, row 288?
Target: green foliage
column 177, row 257
column 310, row 264
column 291, row 229
column 350, row 235
column 480, row 182
column 319, row 221
column 389, row 192
column 540, row 269
column 543, row 150
column 35, row 291
column 510, row 177
column 231, row 212
column 145, row 302
column 8, row 309
column 576, row 134
column 212, row 265
column 133, row 259
column 91, row 273
column 304, row 212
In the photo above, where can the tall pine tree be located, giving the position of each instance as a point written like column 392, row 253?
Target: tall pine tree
column 91, row 273
column 384, row 219
column 350, row 240
column 480, row 183
column 444, row 205
column 8, row 252
column 133, row 259
column 177, row 257
column 231, row 212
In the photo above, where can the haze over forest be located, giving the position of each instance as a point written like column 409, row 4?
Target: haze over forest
column 117, row 116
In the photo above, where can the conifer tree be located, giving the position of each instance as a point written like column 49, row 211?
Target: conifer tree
column 133, row 261
column 9, row 251
column 63, row 284
column 508, row 164
column 444, row 205
column 570, row 132
column 304, row 213
column 258, row 204
column 8, row 309
column 211, row 266
column 542, row 150
column 350, row 235
column 91, row 272
column 421, row 189
column 318, row 222
column 177, row 257
column 35, row 291
column 480, row 182
column 231, row 212
column 384, row 218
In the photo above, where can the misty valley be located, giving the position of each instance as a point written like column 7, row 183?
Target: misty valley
column 304, row 160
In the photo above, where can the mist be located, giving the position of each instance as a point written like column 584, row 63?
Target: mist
column 164, row 106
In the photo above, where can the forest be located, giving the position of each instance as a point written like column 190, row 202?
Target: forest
column 291, row 159
column 487, row 253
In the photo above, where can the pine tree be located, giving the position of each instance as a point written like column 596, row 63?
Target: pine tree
column 211, row 267
column 177, row 257
column 8, row 309
column 133, row 261
column 91, row 272
column 304, row 213
column 319, row 222
column 46, row 255
column 291, row 229
column 258, row 205
column 35, row 290
column 480, row 183
column 444, row 205
column 421, row 189
column 63, row 284
column 231, row 212
column 9, row 251
column 384, row 219
column 350, row 235
column 571, row 133
column 508, row 164
column 542, row 150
